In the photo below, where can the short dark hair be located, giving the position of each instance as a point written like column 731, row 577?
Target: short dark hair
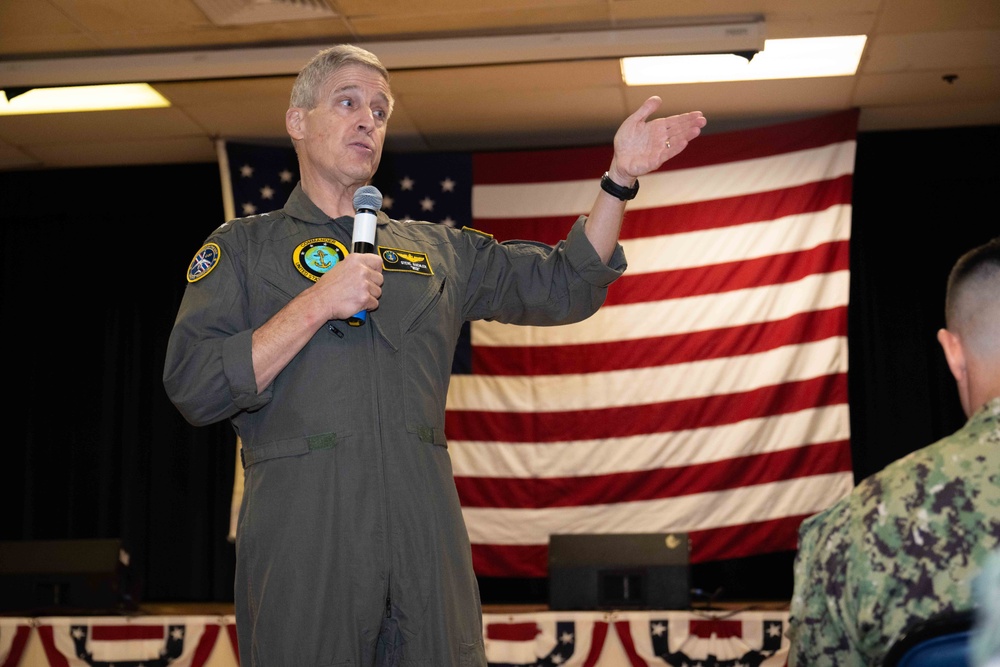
column 315, row 73
column 979, row 264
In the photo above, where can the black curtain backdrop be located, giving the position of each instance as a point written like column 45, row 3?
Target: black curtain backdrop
column 93, row 272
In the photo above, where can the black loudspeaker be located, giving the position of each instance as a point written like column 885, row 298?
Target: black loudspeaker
column 43, row 577
column 625, row 571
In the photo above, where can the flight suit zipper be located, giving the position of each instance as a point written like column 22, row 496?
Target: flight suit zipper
column 382, row 463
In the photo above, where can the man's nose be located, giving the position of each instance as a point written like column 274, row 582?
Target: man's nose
column 366, row 120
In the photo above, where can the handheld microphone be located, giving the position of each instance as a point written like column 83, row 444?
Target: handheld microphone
column 367, row 201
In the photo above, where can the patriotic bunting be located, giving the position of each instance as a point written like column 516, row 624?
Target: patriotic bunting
column 129, row 641
column 637, row 639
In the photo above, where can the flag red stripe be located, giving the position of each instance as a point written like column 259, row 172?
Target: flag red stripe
column 662, row 350
column 735, row 211
column 623, row 628
column 596, row 643
column 651, row 418
column 747, row 539
column 55, row 657
column 638, row 485
column 729, row 276
column 531, row 560
column 125, row 632
column 580, row 163
column 705, row 628
column 233, row 640
column 205, row 645
column 518, row 632
column 692, row 217
column 17, row 646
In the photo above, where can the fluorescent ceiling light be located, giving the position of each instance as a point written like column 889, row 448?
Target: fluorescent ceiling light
column 81, row 98
column 780, row 59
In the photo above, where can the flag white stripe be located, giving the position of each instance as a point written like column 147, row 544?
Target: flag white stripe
column 695, row 379
column 678, row 316
column 668, row 188
column 748, row 241
column 650, row 451
column 700, row 511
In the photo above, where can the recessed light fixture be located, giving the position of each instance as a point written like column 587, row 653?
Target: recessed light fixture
column 81, row 98
column 780, row 59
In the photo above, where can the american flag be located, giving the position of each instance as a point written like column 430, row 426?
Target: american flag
column 707, row 396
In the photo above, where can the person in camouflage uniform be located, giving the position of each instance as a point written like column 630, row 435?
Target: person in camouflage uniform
column 908, row 541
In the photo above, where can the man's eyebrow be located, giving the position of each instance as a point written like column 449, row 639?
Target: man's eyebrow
column 352, row 87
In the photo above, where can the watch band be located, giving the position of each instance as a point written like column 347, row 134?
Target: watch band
column 619, row 191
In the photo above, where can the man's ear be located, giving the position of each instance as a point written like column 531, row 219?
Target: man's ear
column 293, row 122
column 954, row 353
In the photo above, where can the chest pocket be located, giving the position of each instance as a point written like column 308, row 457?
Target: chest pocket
column 423, row 337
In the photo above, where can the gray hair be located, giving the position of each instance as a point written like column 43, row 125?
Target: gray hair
column 312, row 77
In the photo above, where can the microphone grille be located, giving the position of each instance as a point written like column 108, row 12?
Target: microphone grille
column 368, row 196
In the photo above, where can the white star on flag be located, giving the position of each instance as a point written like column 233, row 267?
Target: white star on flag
column 447, row 185
column 261, row 178
column 406, row 183
column 659, row 629
column 427, row 204
column 566, row 638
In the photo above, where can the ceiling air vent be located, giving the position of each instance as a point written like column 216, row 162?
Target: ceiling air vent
column 246, row 12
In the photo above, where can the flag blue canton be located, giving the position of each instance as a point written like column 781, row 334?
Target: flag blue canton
column 433, row 187
column 262, row 177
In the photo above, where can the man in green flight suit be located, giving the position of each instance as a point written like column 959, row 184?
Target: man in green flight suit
column 351, row 548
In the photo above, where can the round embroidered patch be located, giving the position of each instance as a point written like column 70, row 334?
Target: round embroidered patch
column 204, row 261
column 315, row 257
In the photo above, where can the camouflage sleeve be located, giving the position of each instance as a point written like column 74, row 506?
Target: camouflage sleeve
column 821, row 629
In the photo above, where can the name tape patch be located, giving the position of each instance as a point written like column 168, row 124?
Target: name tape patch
column 406, row 261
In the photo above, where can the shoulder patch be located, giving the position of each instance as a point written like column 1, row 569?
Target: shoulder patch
column 472, row 230
column 204, row 261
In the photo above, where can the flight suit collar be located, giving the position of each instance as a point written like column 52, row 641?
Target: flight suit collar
column 299, row 206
